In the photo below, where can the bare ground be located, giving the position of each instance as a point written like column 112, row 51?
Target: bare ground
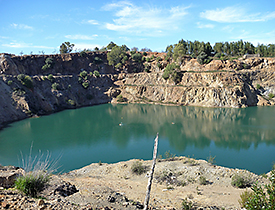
column 115, row 186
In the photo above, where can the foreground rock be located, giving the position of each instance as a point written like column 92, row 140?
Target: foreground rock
column 115, row 186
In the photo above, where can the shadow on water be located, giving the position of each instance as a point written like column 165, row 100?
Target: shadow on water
column 111, row 133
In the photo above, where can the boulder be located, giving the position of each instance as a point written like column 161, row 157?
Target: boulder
column 8, row 175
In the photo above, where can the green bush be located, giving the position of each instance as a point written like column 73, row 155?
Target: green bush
column 49, row 63
column 98, row 60
column 83, row 53
column 56, row 86
column 165, row 75
column 120, row 98
column 31, row 184
column 202, row 58
column 83, row 74
column 25, row 80
column 10, row 82
column 85, row 85
column 258, row 86
column 51, row 78
column 241, row 181
column 260, row 197
column 187, row 205
column 211, row 159
column 137, row 168
column 202, row 180
column 271, row 95
column 71, row 102
column 96, row 73
column 137, row 57
column 144, row 53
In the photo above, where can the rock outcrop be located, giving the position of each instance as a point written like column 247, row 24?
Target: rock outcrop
column 230, row 83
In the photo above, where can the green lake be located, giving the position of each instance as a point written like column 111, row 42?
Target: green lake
column 238, row 138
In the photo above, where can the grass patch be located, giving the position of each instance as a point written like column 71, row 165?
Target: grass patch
column 37, row 173
column 138, row 168
column 241, row 181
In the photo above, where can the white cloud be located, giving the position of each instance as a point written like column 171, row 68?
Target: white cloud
column 235, row 14
column 201, row 25
column 21, row 26
column 140, row 20
column 24, row 45
column 82, row 37
column 92, row 22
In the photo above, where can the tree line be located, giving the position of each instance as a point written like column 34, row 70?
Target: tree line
column 238, row 48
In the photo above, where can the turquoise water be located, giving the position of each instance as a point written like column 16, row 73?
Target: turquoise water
column 239, row 138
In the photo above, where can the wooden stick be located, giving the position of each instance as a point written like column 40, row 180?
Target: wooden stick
column 147, row 197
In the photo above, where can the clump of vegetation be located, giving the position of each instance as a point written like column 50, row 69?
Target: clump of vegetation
column 258, row 86
column 260, row 197
column 25, row 80
column 10, row 82
column 271, row 95
column 71, row 102
column 211, row 159
column 202, row 180
column 169, row 156
column 120, row 98
column 171, row 71
column 31, row 184
column 97, row 60
column 49, row 63
column 51, row 78
column 137, row 168
column 187, row 205
column 37, row 174
column 241, row 181
column 83, row 74
column 85, row 85
column 203, row 58
column 56, row 86
column 96, row 73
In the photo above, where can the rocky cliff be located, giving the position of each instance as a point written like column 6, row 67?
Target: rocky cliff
column 43, row 84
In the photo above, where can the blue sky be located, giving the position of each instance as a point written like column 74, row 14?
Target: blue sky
column 35, row 26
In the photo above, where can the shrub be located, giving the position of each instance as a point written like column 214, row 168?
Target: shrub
column 137, row 57
column 56, row 86
column 49, row 62
column 202, row 58
column 85, row 85
column 158, row 65
column 144, row 53
column 138, row 168
column 51, row 78
column 187, row 205
column 96, row 73
column 71, row 102
column 202, row 180
column 83, row 53
column 83, row 74
column 169, row 156
column 260, row 198
column 271, row 95
column 37, row 173
column 240, row 181
column 120, row 98
column 25, row 80
column 10, row 82
column 165, row 75
column 211, row 160
column 97, row 60
column 31, row 184
column 258, row 86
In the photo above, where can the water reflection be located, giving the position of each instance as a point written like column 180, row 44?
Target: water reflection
column 94, row 133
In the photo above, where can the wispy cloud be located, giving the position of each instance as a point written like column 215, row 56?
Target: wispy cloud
column 93, row 22
column 235, row 14
column 140, row 20
column 81, row 37
column 201, row 25
column 21, row 26
column 24, row 45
